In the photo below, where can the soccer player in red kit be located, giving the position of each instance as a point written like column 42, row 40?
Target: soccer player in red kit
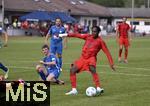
column 87, row 61
column 123, row 36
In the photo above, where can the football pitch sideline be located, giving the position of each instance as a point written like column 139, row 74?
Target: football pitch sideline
column 128, row 86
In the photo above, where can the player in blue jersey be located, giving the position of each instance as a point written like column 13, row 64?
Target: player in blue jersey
column 51, row 65
column 56, row 42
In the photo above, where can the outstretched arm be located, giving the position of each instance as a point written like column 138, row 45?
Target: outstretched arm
column 76, row 35
column 109, row 57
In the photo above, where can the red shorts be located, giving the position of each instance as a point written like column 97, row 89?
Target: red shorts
column 124, row 41
column 83, row 64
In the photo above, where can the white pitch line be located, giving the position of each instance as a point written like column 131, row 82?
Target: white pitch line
column 22, row 67
column 116, row 73
column 137, row 68
column 139, row 75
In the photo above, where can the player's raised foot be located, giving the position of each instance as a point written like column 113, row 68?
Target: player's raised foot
column 6, row 74
column 99, row 91
column 72, row 92
column 125, row 61
column 119, row 60
column 60, row 82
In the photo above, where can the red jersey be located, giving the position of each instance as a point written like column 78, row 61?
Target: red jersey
column 123, row 29
column 93, row 46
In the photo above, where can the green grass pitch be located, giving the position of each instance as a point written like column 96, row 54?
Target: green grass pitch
column 128, row 86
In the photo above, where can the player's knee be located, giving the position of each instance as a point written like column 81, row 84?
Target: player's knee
column 121, row 47
column 59, row 55
column 38, row 68
column 50, row 77
column 73, row 69
column 92, row 69
column 126, row 48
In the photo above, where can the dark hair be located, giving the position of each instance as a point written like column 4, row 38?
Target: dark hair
column 45, row 46
column 58, row 18
column 97, row 27
column 124, row 17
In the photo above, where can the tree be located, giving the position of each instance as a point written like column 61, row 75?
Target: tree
column 137, row 3
column 120, row 3
column 109, row 3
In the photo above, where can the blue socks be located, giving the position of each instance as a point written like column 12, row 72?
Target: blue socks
column 5, row 69
column 42, row 75
column 60, row 61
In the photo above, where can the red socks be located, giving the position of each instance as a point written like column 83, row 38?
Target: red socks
column 73, row 80
column 120, row 52
column 96, row 79
column 126, row 53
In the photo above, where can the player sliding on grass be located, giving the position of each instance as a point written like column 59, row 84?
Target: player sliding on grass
column 51, row 65
column 87, row 61
column 123, row 37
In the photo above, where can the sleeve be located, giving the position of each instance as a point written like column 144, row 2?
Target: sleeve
column 78, row 35
column 107, row 53
column 53, row 59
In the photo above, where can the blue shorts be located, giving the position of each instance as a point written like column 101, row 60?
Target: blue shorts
column 56, row 48
column 56, row 73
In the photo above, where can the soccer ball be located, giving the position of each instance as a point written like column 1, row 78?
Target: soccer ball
column 90, row 91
